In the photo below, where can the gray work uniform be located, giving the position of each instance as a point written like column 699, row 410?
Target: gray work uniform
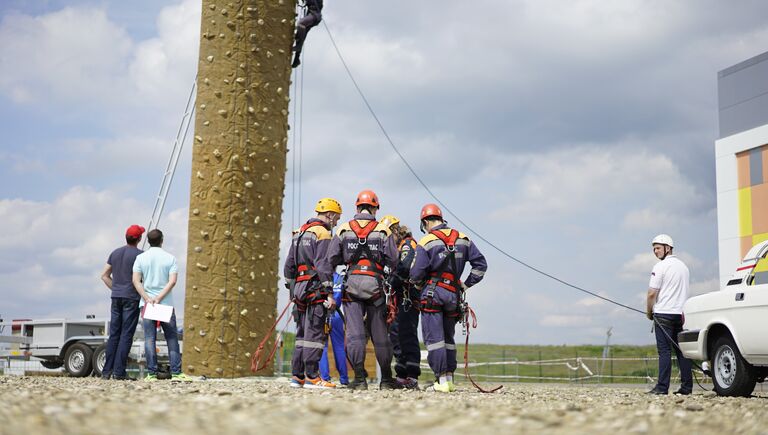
column 365, row 309
column 308, row 248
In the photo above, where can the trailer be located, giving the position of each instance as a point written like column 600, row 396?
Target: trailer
column 79, row 346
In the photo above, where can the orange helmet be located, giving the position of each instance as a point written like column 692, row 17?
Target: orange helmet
column 367, row 197
column 430, row 210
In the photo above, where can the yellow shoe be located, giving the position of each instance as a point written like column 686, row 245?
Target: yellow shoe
column 451, row 386
column 150, row 378
column 442, row 388
column 318, row 383
column 181, row 377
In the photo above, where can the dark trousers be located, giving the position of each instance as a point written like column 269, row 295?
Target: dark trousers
column 358, row 330
column 310, row 342
column 122, row 325
column 438, row 329
column 297, row 360
column 403, row 334
column 666, row 327
column 309, row 21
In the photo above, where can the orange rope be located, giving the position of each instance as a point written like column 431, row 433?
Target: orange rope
column 469, row 312
column 256, row 364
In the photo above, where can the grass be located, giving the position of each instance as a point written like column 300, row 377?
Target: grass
column 628, row 364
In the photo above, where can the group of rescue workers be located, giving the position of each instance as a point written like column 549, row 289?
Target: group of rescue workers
column 389, row 282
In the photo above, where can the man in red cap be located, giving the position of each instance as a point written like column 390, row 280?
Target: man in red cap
column 118, row 275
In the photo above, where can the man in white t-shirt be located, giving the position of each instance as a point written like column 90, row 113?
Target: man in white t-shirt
column 667, row 293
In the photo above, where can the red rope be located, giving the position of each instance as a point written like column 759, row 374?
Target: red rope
column 471, row 313
column 256, row 364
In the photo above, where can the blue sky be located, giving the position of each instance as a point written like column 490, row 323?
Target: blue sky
column 569, row 133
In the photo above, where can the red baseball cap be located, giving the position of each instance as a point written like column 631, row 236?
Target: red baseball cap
column 135, row 231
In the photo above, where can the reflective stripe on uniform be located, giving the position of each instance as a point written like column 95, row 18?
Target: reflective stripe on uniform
column 313, row 345
column 477, row 272
column 299, row 343
column 435, row 346
column 450, row 346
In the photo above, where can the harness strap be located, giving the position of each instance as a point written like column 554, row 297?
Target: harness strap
column 364, row 266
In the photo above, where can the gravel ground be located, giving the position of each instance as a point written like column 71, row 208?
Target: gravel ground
column 37, row 405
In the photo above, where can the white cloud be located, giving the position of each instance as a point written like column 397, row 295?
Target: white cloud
column 78, row 57
column 53, row 252
column 75, row 54
column 566, row 321
column 707, row 286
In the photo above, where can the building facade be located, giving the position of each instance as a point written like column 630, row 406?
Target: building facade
column 741, row 161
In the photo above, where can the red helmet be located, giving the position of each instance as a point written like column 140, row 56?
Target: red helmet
column 430, row 210
column 367, row 197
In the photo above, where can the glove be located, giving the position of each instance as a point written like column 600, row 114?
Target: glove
column 330, row 303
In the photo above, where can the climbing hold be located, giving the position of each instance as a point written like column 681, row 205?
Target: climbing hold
column 199, row 138
column 200, row 175
column 249, row 184
column 195, row 212
column 201, row 266
column 209, row 58
column 202, row 333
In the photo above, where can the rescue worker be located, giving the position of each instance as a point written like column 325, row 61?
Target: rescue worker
column 311, row 19
column 308, row 247
column 667, row 292
column 403, row 332
column 366, row 248
column 441, row 256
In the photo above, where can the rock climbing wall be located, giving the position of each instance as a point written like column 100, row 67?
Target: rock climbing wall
column 238, row 170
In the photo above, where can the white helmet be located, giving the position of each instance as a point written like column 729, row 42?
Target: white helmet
column 663, row 239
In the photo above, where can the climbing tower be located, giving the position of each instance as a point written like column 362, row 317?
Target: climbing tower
column 238, row 170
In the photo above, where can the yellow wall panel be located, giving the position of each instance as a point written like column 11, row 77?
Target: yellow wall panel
column 745, row 212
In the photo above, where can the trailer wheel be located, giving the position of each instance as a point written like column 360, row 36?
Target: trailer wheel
column 77, row 360
column 99, row 359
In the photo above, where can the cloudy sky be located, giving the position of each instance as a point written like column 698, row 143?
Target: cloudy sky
column 567, row 132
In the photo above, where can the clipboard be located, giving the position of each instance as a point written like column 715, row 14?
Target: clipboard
column 159, row 312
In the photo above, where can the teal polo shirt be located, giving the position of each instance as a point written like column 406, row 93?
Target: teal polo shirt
column 156, row 266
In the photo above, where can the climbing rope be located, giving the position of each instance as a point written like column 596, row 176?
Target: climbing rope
column 256, row 362
column 457, row 217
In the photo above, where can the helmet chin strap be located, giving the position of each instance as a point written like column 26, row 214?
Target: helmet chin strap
column 666, row 252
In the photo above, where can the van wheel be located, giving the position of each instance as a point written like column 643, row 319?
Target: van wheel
column 731, row 374
column 78, row 360
column 99, row 359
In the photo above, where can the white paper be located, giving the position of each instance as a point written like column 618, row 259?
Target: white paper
column 159, row 312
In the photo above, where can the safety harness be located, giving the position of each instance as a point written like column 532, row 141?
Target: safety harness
column 305, row 271
column 361, row 262
column 445, row 276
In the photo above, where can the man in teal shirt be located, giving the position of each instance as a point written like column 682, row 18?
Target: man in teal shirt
column 154, row 275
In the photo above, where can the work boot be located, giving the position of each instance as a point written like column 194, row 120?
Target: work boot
column 389, row 384
column 318, row 383
column 441, row 388
column 296, row 382
column 408, row 383
column 451, row 386
column 358, row 384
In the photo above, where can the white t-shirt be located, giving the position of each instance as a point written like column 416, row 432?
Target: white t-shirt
column 671, row 277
